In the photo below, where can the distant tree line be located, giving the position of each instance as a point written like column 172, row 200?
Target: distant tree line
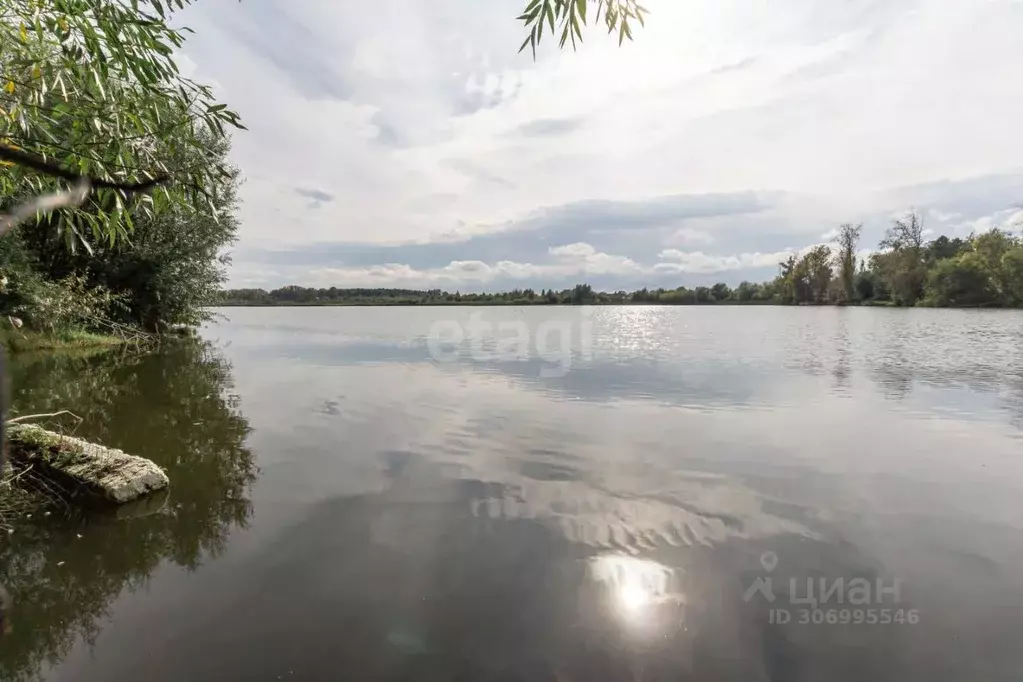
column 907, row 270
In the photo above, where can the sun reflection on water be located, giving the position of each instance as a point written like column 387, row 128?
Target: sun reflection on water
column 635, row 587
column 632, row 597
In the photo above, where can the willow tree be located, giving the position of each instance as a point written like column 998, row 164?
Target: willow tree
column 93, row 107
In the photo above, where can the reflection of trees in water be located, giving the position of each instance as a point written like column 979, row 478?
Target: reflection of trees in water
column 173, row 408
column 842, row 370
column 907, row 352
column 985, row 372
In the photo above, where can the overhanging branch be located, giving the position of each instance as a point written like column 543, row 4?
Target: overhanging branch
column 73, row 197
column 41, row 165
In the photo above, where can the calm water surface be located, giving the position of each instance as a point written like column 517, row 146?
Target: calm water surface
column 636, row 494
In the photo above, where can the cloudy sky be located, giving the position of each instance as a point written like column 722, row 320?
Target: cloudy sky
column 408, row 144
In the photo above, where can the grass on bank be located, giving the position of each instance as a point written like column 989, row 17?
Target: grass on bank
column 111, row 335
column 20, row 340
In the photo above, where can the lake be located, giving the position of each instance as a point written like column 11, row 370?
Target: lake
column 548, row 493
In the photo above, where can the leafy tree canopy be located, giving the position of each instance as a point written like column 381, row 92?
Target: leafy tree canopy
column 93, row 86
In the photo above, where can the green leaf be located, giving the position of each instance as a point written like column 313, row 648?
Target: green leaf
column 530, row 17
column 99, row 85
column 82, row 240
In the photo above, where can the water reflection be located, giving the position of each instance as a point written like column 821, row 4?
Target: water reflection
column 635, row 587
column 174, row 408
column 479, row 520
column 405, row 584
column 706, row 358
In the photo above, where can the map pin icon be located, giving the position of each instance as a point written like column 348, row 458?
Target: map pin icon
column 768, row 560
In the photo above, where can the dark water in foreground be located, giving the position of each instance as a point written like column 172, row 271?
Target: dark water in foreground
column 353, row 501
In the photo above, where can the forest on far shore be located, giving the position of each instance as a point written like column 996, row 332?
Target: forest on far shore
column 984, row 270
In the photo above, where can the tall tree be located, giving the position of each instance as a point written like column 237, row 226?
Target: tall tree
column 901, row 263
column 816, row 267
column 721, row 292
column 943, row 247
column 785, row 284
column 961, row 281
column 993, row 247
column 1012, row 269
column 848, row 239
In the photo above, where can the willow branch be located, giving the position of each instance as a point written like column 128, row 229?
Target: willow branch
column 22, row 418
column 73, row 197
column 37, row 163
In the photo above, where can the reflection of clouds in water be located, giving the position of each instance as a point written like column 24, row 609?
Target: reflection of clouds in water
column 469, row 498
column 697, row 381
column 700, row 356
column 594, row 468
column 615, row 483
column 696, row 511
column 592, row 453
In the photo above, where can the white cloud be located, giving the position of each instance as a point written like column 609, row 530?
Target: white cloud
column 1010, row 220
column 583, row 259
column 944, row 217
column 426, row 125
column 573, row 251
column 688, row 236
column 699, row 262
column 571, row 260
